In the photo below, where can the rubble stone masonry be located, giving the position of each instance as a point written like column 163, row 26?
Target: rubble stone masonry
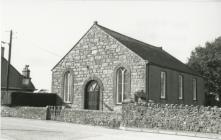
column 172, row 117
column 96, row 56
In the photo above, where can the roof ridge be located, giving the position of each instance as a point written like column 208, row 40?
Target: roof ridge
column 155, row 55
column 4, row 59
column 121, row 37
column 138, row 41
column 17, row 71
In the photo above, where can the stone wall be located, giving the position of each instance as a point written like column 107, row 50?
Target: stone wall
column 96, row 56
column 172, row 117
column 91, row 117
column 24, row 112
column 151, row 115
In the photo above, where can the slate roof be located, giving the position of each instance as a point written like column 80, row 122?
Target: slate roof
column 155, row 55
column 15, row 78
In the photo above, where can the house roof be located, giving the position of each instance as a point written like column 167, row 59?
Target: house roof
column 155, row 55
column 15, row 78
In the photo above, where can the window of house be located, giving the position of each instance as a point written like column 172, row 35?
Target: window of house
column 180, row 87
column 121, row 84
column 194, row 89
column 163, row 85
column 67, row 87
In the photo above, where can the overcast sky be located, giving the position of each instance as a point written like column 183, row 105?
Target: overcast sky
column 44, row 31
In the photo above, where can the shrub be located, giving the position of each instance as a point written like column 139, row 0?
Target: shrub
column 140, row 95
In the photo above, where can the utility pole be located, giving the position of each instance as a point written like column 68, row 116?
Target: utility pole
column 9, row 61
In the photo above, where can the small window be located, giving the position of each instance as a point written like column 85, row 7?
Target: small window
column 194, row 89
column 67, row 87
column 121, row 84
column 180, row 87
column 163, row 85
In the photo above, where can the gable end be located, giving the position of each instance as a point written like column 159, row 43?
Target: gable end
column 73, row 47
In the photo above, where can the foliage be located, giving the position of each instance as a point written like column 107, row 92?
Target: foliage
column 207, row 61
column 140, row 94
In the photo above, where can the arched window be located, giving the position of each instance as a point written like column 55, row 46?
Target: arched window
column 122, row 84
column 67, row 86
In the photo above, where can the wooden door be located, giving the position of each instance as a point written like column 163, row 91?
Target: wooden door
column 92, row 93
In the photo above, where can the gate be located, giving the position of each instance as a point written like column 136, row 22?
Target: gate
column 53, row 112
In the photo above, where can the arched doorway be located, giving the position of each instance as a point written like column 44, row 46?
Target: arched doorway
column 92, row 95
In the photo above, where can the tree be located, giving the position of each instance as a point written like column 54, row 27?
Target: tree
column 207, row 61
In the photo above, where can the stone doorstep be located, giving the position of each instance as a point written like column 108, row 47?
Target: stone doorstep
column 171, row 132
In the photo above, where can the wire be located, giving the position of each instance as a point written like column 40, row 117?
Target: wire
column 43, row 49
column 35, row 45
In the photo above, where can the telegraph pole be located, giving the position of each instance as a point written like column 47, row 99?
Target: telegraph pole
column 9, row 61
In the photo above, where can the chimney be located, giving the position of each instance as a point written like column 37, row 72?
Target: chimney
column 26, row 72
column 26, row 75
column 3, row 51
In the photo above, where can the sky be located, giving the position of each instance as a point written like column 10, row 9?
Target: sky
column 44, row 30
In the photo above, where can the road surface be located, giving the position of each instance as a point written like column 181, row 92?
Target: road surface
column 27, row 129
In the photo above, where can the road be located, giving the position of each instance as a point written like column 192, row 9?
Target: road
column 27, row 129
